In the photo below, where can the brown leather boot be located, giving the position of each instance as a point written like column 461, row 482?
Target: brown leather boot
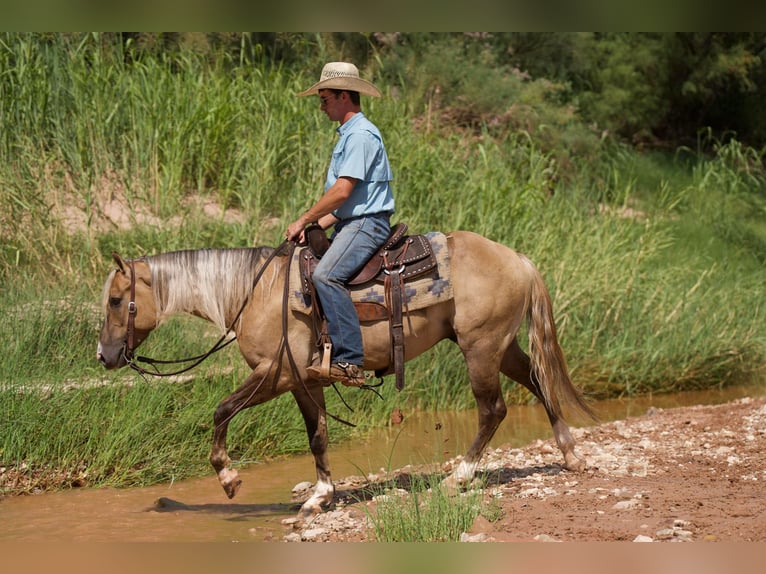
column 345, row 373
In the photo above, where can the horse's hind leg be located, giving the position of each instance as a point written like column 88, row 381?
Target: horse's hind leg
column 485, row 383
column 311, row 404
column 516, row 365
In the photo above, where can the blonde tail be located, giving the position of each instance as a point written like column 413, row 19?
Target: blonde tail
column 549, row 366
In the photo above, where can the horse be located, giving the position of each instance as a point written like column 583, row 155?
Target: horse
column 242, row 290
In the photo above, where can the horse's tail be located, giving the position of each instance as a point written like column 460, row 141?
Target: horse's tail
column 549, row 368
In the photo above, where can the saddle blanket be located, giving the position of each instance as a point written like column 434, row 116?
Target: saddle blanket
column 419, row 293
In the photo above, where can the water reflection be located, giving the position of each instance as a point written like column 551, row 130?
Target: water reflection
column 198, row 510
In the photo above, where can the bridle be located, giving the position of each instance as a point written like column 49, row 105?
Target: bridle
column 284, row 347
column 224, row 341
column 130, row 340
column 130, row 336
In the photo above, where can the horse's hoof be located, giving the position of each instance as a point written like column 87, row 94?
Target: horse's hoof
column 307, row 513
column 574, row 464
column 451, row 486
column 230, row 482
column 231, row 488
column 459, row 479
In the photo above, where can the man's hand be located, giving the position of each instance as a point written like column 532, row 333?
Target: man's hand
column 322, row 209
column 295, row 231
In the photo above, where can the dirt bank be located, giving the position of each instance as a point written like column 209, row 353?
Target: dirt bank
column 671, row 475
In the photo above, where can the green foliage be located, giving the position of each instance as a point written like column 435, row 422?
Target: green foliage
column 625, row 92
column 461, row 85
column 132, row 432
column 425, row 514
column 664, row 87
column 656, row 89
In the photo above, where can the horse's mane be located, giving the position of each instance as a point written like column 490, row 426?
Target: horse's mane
column 211, row 283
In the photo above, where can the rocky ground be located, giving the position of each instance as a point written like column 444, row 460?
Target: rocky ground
column 672, row 475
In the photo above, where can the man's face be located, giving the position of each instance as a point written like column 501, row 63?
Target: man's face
column 330, row 103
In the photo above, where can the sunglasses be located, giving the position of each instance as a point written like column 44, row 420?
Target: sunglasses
column 324, row 99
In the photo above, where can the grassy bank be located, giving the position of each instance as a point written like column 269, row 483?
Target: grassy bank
column 655, row 263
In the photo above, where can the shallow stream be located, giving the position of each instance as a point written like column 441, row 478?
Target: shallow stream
column 198, row 510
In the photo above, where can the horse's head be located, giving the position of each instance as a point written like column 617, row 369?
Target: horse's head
column 130, row 312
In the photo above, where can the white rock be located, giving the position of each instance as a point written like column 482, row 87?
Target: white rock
column 627, row 504
column 292, row 537
column 684, row 535
column 529, row 492
column 545, row 538
column 302, row 487
column 313, row 533
column 643, row 538
column 480, row 537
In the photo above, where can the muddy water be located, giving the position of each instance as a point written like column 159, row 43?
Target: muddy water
column 198, row 510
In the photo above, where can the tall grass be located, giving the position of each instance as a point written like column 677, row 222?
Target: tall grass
column 655, row 267
column 133, row 434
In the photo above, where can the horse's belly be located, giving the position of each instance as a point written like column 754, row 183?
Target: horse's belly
column 422, row 330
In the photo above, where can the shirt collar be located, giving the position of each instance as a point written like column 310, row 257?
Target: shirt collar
column 350, row 123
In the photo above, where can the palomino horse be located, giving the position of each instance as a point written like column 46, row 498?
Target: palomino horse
column 494, row 290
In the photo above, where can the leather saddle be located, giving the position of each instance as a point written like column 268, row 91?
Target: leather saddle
column 402, row 257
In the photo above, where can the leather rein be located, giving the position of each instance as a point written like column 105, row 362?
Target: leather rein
column 284, row 347
column 130, row 344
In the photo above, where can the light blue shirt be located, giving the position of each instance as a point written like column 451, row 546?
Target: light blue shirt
column 360, row 154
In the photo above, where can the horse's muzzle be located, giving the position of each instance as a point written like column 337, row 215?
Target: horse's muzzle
column 111, row 356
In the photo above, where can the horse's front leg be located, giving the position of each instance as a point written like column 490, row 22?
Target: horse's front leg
column 312, row 406
column 247, row 395
column 227, row 476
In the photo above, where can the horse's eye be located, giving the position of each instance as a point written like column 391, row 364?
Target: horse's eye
column 115, row 301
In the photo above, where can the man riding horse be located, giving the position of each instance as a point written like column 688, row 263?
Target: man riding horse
column 358, row 201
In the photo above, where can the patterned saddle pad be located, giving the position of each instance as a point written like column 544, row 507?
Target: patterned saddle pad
column 420, row 292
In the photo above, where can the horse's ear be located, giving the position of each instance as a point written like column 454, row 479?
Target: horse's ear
column 119, row 261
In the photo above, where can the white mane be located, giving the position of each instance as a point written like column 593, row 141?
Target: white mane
column 210, row 283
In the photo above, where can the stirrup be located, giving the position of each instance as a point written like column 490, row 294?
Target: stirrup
column 324, row 367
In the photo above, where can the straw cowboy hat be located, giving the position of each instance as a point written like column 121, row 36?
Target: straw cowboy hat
column 342, row 76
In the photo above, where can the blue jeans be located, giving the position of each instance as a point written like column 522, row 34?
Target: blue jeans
column 354, row 242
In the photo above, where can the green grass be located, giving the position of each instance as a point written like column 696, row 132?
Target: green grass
column 426, row 513
column 655, row 262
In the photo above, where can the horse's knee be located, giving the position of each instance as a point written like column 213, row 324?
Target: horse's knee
column 222, row 413
column 500, row 411
column 493, row 413
column 318, row 444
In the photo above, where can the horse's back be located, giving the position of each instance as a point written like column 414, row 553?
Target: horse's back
column 482, row 265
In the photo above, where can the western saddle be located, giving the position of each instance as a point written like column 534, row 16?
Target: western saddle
column 402, row 257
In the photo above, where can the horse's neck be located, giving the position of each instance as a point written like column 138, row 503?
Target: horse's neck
column 209, row 283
